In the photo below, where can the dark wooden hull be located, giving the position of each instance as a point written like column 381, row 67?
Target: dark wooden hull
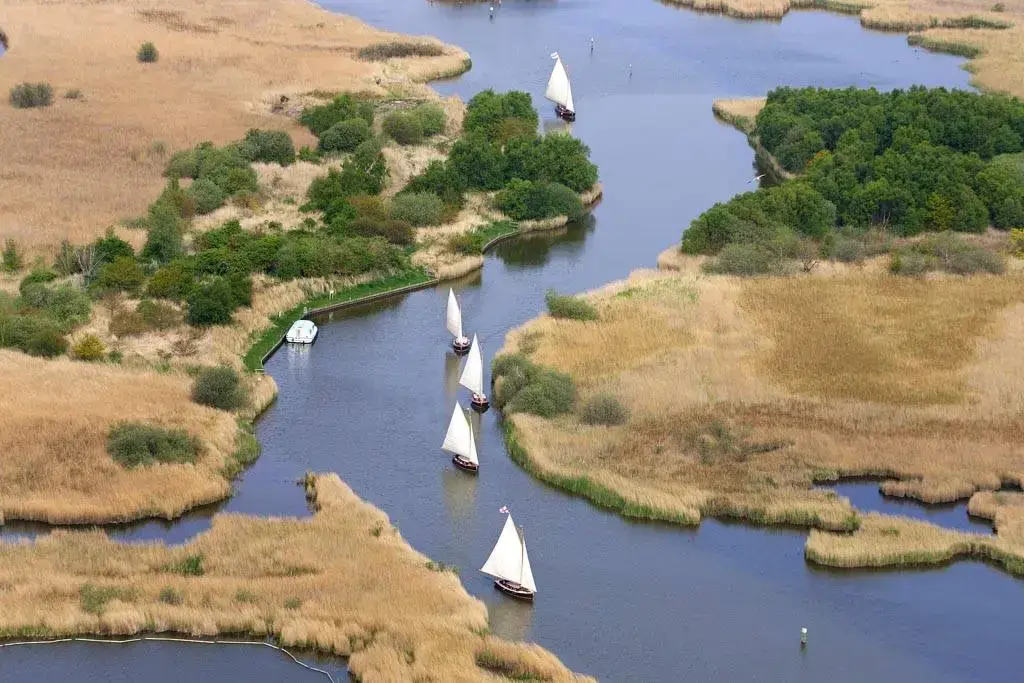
column 479, row 403
column 514, row 590
column 461, row 347
column 564, row 113
column 465, row 465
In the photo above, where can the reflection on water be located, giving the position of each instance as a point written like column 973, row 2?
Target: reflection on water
column 459, row 492
column 536, row 249
column 452, row 370
column 174, row 532
column 510, row 619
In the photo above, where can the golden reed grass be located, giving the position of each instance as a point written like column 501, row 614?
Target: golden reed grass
column 53, row 432
column 79, row 165
column 343, row 581
column 742, row 392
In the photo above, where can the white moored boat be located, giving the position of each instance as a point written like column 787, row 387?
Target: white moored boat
column 473, row 377
column 509, row 563
column 559, row 91
column 301, row 332
column 460, row 443
column 454, row 323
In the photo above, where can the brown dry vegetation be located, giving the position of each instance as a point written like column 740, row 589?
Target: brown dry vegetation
column 967, row 27
column 343, row 581
column 53, row 436
column 742, row 392
column 77, row 166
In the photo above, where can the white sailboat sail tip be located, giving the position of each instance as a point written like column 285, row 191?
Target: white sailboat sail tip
column 558, row 90
column 459, row 437
column 554, row 55
column 527, row 573
column 472, row 456
column 473, row 374
column 505, row 561
column 454, row 315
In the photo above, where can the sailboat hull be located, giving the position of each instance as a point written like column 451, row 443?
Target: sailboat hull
column 514, row 589
column 564, row 113
column 461, row 345
column 464, row 464
column 479, row 403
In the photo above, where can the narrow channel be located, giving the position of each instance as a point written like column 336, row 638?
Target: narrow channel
column 618, row 600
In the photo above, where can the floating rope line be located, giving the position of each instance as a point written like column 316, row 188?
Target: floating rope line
column 165, row 639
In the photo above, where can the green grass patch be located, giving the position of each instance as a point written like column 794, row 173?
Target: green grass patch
column 191, row 565
column 270, row 337
column 132, row 444
column 474, row 241
column 513, row 671
column 93, row 599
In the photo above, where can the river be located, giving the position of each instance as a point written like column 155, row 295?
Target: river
column 619, row 600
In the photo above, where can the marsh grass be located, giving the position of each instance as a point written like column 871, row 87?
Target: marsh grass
column 93, row 599
column 569, row 307
column 379, row 52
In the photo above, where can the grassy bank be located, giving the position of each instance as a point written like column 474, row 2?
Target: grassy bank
column 271, row 336
column 343, row 582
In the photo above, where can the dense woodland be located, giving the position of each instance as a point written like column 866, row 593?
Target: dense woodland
column 903, row 162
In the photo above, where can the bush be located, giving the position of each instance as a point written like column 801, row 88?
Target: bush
column 345, row 136
column 369, row 206
column 417, row 208
column 206, row 195
column 378, row 52
column 211, row 303
column 159, row 316
column 431, row 117
column 548, row 393
column 847, row 250
column 38, row 275
column 309, row 155
column 394, row 231
column 93, row 599
column 127, row 323
column 603, row 409
column 486, row 111
column 404, row 128
column 68, row 307
column 190, row 565
column 73, row 94
column 271, row 146
column 443, row 180
column 110, row 247
column 163, row 242
column 170, row 596
column 42, row 338
column 90, row 347
column 344, row 107
column 745, row 260
column 12, row 261
column 183, row 164
column 147, row 53
column 174, row 281
column 220, row 388
column 122, row 275
column 910, row 263
column 570, row 307
column 525, row 200
column 134, row 444
column 28, row 95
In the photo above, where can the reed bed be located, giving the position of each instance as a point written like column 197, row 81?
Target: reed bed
column 343, row 581
column 53, row 433
column 741, row 393
column 76, row 167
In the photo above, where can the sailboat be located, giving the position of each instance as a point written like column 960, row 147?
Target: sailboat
column 559, row 91
column 473, row 377
column 459, row 442
column 454, row 321
column 510, row 565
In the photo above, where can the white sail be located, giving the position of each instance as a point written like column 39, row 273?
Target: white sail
column 508, row 560
column 454, row 315
column 459, row 438
column 559, row 91
column 473, row 374
column 472, row 457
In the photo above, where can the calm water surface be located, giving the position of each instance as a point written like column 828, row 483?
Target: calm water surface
column 619, row 600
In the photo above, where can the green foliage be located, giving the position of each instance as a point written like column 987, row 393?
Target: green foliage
column 345, row 136
column 431, row 117
column 173, row 281
column 28, row 95
column 394, row 231
column 555, row 157
column 123, row 274
column 344, row 107
column 67, row 307
column 947, row 252
column 221, row 388
column 417, row 208
column 183, row 164
column 569, row 307
column 89, row 348
column 745, row 259
column 170, row 596
column 73, row 94
column 134, row 444
column 206, row 195
column 212, row 302
column 529, row 388
column 163, row 242
column 93, row 599
column 526, row 200
column 35, row 335
column 190, row 565
column 404, row 128
column 38, row 275
column 603, row 409
column 479, row 161
column 11, row 259
column 442, row 179
column 379, row 52
column 244, row 596
column 147, row 53
column 486, row 111
column 158, row 316
column 110, row 247
column 271, row 146
column 309, row 155
column 362, row 174
column 292, row 603
column 473, row 242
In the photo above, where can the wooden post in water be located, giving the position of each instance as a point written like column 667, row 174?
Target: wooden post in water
column 803, row 637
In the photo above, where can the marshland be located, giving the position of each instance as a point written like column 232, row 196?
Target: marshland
column 769, row 593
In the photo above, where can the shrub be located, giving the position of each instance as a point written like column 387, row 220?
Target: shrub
column 525, row 200
column 12, row 261
column 38, row 275
column 344, row 107
column 110, row 247
column 174, row 281
column 394, row 231
column 345, row 136
column 127, row 323
column 67, row 307
column 158, row 316
column 369, row 206
column 956, row 255
column 147, row 53
column 39, row 337
column 271, row 146
column 163, row 242
column 211, row 303
column 93, row 599
column 431, row 117
column 745, row 259
column 28, row 95
column 73, row 94
column 190, row 565
column 170, row 596
column 404, row 128
column 183, row 164
column 309, row 154
column 123, row 275
column 134, row 444
column 220, row 388
column 443, row 180
column 847, row 250
column 571, row 307
column 548, row 393
column 378, row 52
column 206, row 195
column 417, row 208
column 90, row 347
column 907, row 262
column 603, row 409
column 486, row 111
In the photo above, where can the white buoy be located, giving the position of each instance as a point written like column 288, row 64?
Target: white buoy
column 803, row 637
